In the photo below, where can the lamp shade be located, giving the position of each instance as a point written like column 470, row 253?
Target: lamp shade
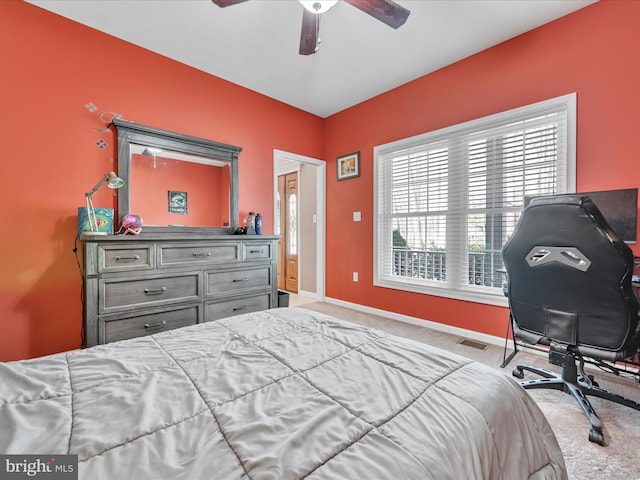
column 113, row 181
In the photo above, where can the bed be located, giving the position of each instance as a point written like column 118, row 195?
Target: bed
column 286, row 393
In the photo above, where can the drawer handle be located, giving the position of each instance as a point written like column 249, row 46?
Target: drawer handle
column 240, row 279
column 155, row 325
column 198, row 254
column 155, row 291
column 235, row 309
column 256, row 251
column 133, row 257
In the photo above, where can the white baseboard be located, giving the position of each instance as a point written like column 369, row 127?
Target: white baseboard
column 440, row 327
column 306, row 294
column 463, row 332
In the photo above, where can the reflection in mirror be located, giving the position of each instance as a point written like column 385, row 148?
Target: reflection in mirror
column 176, row 182
column 190, row 190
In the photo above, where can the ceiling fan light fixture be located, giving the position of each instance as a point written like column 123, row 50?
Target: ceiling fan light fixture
column 318, row 6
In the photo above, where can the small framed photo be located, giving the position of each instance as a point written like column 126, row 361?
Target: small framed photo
column 178, row 202
column 348, row 166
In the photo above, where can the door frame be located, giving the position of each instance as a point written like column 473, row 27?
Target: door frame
column 321, row 173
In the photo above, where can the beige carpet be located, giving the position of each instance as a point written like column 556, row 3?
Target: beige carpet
column 618, row 459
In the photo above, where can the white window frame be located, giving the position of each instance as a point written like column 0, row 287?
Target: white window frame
column 382, row 240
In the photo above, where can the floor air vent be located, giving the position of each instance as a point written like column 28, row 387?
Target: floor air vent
column 473, row 344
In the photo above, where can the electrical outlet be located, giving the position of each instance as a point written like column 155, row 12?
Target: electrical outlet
column 355, row 276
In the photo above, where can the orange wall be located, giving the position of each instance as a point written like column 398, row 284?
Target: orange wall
column 591, row 52
column 51, row 67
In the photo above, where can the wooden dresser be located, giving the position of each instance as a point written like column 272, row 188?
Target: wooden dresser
column 139, row 285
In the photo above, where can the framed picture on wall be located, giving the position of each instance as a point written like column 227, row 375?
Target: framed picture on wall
column 348, row 166
column 178, row 202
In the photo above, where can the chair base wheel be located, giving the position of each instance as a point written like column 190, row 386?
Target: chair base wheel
column 596, row 436
column 579, row 386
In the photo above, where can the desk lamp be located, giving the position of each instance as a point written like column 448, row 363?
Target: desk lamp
column 113, row 181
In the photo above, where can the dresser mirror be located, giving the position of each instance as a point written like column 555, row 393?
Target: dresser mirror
column 176, row 182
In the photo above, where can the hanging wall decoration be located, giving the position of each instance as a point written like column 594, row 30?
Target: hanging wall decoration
column 178, row 203
column 348, row 166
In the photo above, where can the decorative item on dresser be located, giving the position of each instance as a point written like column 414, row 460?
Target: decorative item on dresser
column 183, row 168
column 98, row 221
column 139, row 285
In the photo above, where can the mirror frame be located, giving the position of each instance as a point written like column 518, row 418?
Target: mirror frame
column 128, row 133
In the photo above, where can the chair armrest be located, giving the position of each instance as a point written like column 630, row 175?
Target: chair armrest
column 505, row 284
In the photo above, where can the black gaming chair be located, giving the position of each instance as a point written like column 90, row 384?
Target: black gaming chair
column 569, row 288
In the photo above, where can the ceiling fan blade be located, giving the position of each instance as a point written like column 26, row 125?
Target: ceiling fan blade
column 309, row 33
column 386, row 11
column 227, row 3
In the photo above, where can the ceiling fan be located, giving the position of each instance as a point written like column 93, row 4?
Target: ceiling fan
column 387, row 11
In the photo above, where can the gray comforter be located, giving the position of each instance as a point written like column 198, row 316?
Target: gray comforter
column 280, row 394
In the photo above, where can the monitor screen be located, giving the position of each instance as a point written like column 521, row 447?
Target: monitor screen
column 618, row 207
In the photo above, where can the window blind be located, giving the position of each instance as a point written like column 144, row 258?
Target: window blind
column 447, row 201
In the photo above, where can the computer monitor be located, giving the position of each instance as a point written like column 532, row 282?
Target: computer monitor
column 618, row 207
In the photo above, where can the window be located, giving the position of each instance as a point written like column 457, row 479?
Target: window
column 292, row 242
column 446, row 201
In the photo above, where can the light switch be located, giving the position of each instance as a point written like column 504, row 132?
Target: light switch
column 314, row 218
column 357, row 216
column 355, row 276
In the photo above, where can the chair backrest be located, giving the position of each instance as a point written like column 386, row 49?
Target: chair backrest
column 569, row 279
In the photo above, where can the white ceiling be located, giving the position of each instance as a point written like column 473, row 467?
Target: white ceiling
column 255, row 44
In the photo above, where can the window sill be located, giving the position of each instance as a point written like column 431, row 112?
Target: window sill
column 487, row 297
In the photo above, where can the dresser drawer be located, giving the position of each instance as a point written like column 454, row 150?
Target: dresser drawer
column 171, row 255
column 141, row 325
column 218, row 310
column 258, row 251
column 122, row 258
column 123, row 293
column 236, row 280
